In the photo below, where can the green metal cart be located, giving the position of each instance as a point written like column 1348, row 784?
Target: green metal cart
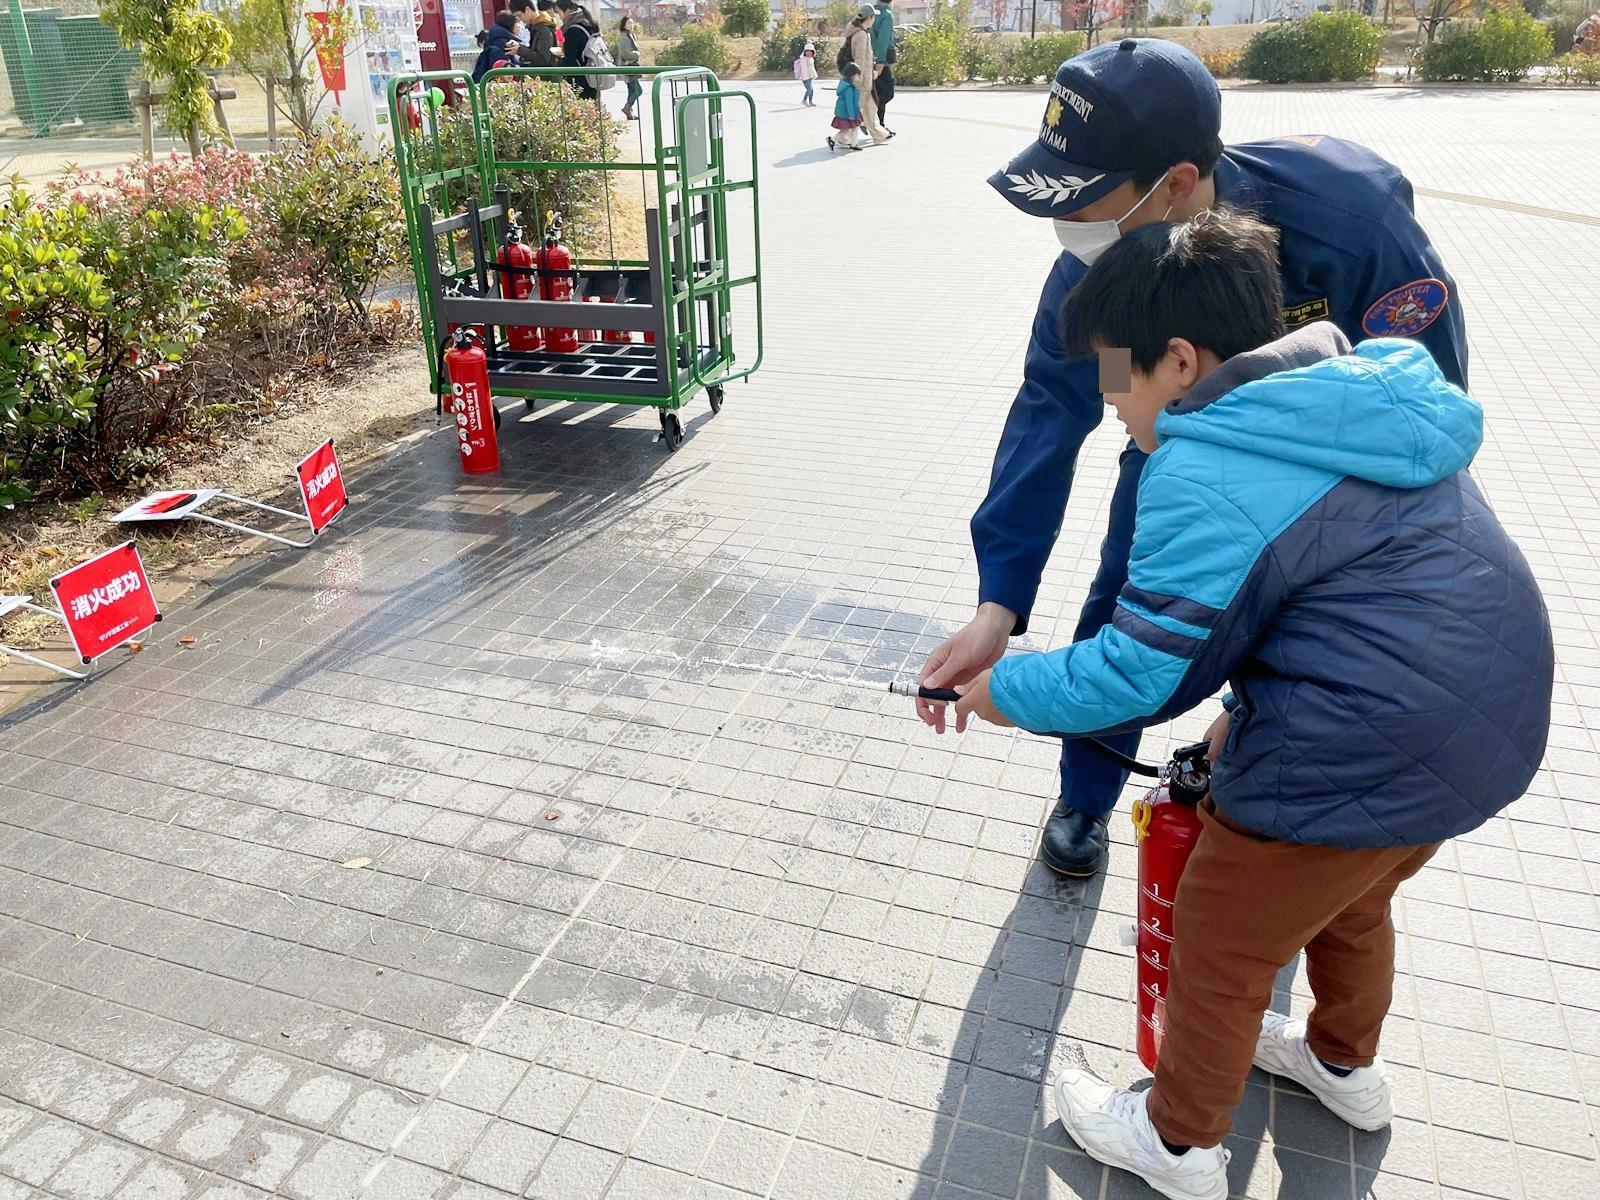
column 657, row 317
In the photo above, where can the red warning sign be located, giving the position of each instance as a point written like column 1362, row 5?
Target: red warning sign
column 106, row 601
column 321, row 486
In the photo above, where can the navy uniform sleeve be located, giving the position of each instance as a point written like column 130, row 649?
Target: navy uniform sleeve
column 1058, row 405
column 1408, row 292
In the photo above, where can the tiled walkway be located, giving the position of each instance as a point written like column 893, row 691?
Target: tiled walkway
column 666, row 898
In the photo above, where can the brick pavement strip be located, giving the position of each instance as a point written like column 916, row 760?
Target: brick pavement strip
column 778, row 940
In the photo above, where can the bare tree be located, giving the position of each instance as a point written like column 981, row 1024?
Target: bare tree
column 1433, row 15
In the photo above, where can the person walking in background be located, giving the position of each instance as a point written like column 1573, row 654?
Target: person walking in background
column 579, row 27
column 628, row 56
column 847, row 109
column 805, row 70
column 857, row 49
column 884, row 55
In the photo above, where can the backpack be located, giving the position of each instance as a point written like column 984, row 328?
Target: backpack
column 595, row 54
column 845, row 57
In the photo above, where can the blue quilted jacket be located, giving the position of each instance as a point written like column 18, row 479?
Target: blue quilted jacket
column 1307, row 531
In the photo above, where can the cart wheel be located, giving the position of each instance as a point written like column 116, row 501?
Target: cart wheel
column 497, row 418
column 530, row 402
column 671, row 430
column 714, row 394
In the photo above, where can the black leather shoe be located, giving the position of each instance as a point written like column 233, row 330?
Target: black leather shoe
column 1074, row 843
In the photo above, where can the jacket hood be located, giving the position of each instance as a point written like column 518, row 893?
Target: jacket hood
column 1382, row 412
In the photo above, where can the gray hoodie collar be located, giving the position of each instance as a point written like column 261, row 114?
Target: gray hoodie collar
column 1301, row 348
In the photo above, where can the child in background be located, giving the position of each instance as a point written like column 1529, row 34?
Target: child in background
column 805, row 70
column 847, row 110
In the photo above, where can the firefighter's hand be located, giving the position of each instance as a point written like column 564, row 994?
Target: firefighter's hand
column 975, row 648
column 976, row 702
column 1217, row 734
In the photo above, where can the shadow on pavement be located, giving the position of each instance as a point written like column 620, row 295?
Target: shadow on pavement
column 1057, row 991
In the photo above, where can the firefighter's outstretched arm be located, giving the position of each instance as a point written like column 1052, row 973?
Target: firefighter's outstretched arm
column 1057, row 407
column 1017, row 523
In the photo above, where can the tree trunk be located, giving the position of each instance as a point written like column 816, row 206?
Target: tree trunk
column 194, row 139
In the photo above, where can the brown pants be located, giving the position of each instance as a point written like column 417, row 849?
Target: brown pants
column 1245, row 907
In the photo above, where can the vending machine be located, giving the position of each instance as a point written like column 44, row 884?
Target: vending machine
column 382, row 43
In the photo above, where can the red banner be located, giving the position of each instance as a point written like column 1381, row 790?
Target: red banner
column 330, row 55
column 321, row 486
column 106, row 601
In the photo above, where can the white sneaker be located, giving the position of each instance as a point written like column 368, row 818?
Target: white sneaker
column 1114, row 1128
column 1361, row 1098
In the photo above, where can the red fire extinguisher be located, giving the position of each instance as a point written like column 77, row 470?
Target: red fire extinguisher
column 1166, row 828
column 555, row 283
column 619, row 336
column 467, row 373
column 517, row 286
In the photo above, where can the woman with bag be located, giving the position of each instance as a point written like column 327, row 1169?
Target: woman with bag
column 579, row 27
column 628, row 52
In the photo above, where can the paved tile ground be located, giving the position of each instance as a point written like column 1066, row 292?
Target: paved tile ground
column 649, row 918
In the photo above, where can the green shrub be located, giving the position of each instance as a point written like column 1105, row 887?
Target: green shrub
column 1038, row 58
column 1582, row 70
column 744, row 18
column 982, row 57
column 55, row 307
column 107, row 293
column 542, row 122
column 332, row 208
column 781, row 47
column 1503, row 47
column 1515, row 41
column 933, row 55
column 1322, row 48
column 700, row 46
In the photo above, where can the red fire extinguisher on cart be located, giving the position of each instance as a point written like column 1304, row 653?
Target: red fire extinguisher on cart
column 467, row 376
column 555, row 283
column 515, row 285
column 1166, row 828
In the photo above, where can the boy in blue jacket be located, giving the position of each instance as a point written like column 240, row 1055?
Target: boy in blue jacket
column 1307, row 532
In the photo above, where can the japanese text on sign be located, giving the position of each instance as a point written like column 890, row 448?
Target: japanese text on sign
column 321, row 486
column 93, row 601
column 106, row 601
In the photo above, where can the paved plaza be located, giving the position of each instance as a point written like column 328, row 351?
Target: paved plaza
column 665, row 897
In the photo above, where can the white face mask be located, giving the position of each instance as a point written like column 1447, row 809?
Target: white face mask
column 1088, row 240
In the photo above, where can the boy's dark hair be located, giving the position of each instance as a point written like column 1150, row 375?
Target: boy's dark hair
column 1205, row 163
column 506, row 19
column 851, row 71
column 1211, row 280
column 521, row 6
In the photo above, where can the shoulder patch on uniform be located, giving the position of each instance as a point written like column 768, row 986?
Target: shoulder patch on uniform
column 1304, row 139
column 1297, row 315
column 1408, row 309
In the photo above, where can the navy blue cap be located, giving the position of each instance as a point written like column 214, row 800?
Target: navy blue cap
column 1121, row 110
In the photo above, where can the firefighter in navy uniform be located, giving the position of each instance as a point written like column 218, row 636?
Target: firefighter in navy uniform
column 1131, row 136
